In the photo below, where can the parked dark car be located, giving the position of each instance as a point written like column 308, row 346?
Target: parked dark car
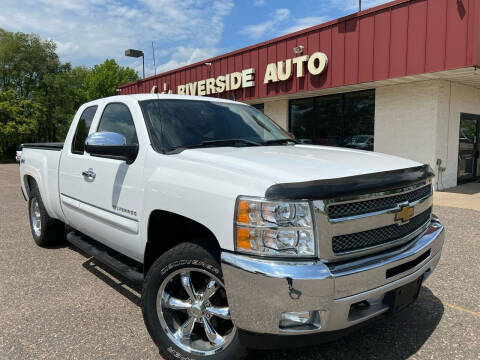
column 361, row 142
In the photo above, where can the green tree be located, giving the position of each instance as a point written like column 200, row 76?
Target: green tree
column 60, row 93
column 25, row 60
column 103, row 79
column 39, row 95
column 18, row 120
column 29, row 66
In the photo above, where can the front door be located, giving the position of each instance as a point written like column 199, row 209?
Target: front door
column 468, row 149
column 106, row 205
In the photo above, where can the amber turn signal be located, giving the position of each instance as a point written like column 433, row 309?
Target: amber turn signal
column 242, row 214
column 243, row 239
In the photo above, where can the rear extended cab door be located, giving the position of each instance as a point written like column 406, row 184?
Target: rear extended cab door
column 106, row 207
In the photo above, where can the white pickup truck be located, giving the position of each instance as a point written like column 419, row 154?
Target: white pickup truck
column 241, row 236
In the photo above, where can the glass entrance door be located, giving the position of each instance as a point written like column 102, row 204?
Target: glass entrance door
column 468, row 149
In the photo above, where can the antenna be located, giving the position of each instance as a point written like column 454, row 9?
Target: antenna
column 154, row 65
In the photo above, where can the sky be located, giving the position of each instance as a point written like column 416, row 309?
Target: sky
column 182, row 31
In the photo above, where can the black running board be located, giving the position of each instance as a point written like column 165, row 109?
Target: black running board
column 103, row 254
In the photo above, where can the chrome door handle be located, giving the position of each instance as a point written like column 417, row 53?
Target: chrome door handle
column 89, row 174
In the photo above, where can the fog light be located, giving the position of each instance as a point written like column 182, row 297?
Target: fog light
column 301, row 320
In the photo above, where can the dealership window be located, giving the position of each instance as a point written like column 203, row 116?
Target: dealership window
column 345, row 120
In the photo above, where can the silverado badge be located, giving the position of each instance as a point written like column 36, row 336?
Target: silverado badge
column 405, row 213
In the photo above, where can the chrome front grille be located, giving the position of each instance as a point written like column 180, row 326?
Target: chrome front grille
column 365, row 224
column 363, row 207
column 369, row 238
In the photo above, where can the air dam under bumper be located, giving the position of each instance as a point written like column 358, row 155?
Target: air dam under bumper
column 259, row 291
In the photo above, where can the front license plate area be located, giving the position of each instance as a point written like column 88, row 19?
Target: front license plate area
column 402, row 297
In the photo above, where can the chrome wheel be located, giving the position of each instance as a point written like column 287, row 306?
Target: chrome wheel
column 35, row 217
column 193, row 311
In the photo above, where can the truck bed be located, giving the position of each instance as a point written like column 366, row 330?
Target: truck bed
column 43, row 167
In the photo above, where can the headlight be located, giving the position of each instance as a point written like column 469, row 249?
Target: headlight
column 274, row 227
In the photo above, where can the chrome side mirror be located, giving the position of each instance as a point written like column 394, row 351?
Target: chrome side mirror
column 110, row 145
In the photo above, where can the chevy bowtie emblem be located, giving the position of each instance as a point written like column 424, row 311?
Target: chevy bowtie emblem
column 405, row 213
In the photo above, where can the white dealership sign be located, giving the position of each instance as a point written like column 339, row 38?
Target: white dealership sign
column 219, row 84
column 275, row 72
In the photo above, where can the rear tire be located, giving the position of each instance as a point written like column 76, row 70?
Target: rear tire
column 185, row 308
column 46, row 231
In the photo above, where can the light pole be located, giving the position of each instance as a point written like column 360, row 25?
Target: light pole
column 359, row 5
column 137, row 54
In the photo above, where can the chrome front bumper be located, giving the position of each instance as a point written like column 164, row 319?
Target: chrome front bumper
column 260, row 290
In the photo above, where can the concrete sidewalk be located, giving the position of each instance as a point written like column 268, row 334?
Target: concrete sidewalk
column 466, row 196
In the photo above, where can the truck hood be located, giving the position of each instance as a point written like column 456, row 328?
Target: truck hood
column 263, row 166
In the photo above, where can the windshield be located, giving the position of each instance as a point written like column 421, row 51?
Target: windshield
column 176, row 124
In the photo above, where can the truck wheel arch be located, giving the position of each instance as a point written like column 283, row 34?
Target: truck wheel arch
column 167, row 230
column 29, row 182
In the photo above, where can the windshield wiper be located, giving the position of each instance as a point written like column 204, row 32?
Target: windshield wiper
column 230, row 142
column 280, row 141
column 214, row 143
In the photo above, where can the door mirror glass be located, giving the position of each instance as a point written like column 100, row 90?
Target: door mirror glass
column 106, row 138
column 111, row 145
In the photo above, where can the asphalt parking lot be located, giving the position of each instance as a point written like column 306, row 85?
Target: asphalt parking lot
column 59, row 304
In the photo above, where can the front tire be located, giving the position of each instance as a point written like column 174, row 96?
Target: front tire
column 46, row 231
column 185, row 307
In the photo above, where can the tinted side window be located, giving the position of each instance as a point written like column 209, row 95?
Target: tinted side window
column 117, row 118
column 83, row 127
